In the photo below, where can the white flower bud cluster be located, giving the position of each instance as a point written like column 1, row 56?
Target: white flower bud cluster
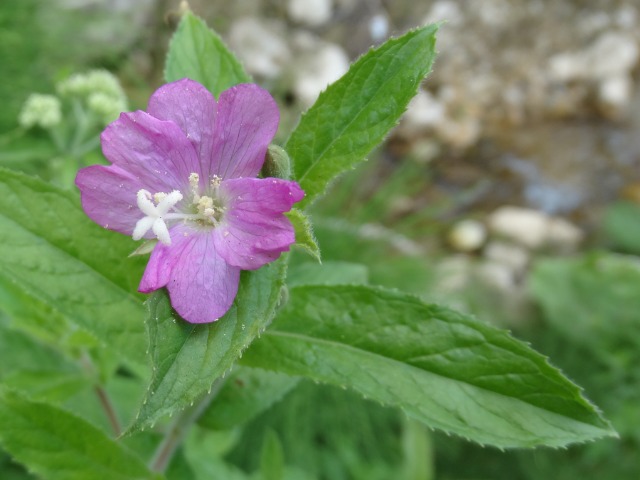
column 40, row 110
column 101, row 90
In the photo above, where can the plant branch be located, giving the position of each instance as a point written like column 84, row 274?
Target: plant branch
column 103, row 396
column 179, row 428
column 107, row 406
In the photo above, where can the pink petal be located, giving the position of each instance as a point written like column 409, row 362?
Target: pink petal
column 156, row 152
column 193, row 108
column 246, row 123
column 254, row 230
column 108, row 196
column 201, row 284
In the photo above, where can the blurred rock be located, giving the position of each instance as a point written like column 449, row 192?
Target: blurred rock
column 260, row 45
column 310, row 12
column 424, row 112
column 446, row 10
column 467, row 235
column 318, row 65
column 497, row 275
column 513, row 256
column 563, row 235
column 379, row 27
column 454, row 273
column 534, row 229
column 522, row 225
column 611, row 55
column 614, row 95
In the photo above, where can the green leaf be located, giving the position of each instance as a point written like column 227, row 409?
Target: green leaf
column 48, row 386
column 418, row 451
column 272, row 457
column 187, row 358
column 355, row 113
column 58, row 445
column 622, row 226
column 592, row 299
column 304, row 233
column 247, row 393
column 62, row 274
column 443, row 368
column 204, row 451
column 198, row 53
column 329, row 273
column 20, row 352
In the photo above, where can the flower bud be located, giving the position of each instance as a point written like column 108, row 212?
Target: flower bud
column 276, row 163
column 41, row 110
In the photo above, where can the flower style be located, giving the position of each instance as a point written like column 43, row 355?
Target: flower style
column 184, row 172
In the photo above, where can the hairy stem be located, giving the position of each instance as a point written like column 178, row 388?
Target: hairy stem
column 107, row 406
column 179, row 428
column 103, row 396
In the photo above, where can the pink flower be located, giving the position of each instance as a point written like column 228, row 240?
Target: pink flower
column 184, row 172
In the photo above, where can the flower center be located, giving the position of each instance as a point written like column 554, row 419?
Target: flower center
column 204, row 210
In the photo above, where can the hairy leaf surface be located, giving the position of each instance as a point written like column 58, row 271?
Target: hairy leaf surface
column 444, row 368
column 353, row 115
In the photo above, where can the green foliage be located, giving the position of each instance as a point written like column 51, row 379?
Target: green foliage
column 24, row 67
column 304, row 233
column 445, row 369
column 187, row 358
column 272, row 458
column 247, row 393
column 21, row 352
column 59, row 287
column 354, row 114
column 592, row 299
column 622, row 226
column 379, row 249
column 448, row 370
column 198, row 53
column 204, row 449
column 58, row 445
column 326, row 432
column 418, row 452
column 328, row 273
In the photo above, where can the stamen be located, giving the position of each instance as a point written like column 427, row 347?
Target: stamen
column 194, row 179
column 204, row 203
column 194, row 182
column 158, row 197
column 216, row 181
